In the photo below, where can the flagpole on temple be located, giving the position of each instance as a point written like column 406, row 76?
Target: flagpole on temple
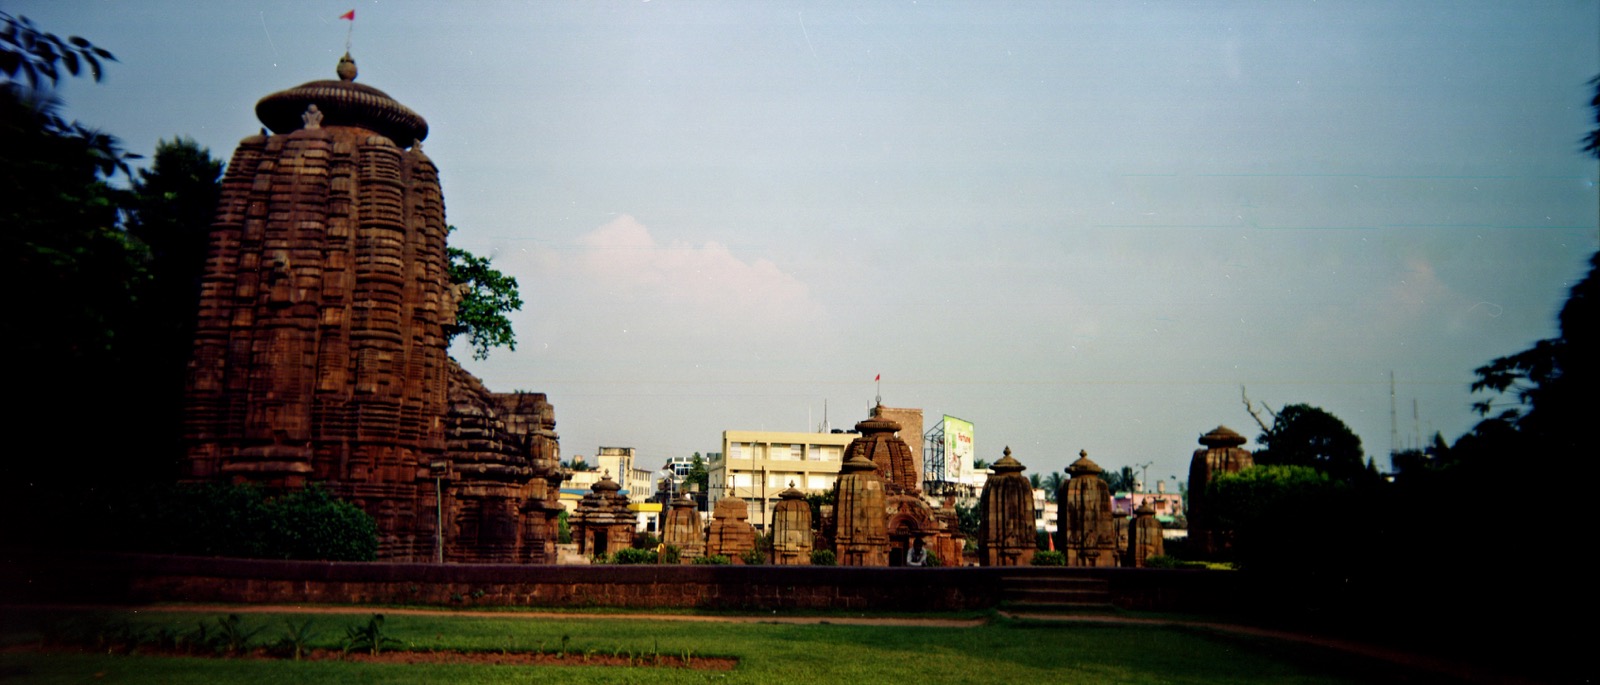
column 349, row 33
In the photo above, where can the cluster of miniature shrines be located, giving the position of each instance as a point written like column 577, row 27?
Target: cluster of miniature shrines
column 320, row 356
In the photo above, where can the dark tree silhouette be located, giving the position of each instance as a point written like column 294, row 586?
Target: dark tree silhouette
column 1303, row 435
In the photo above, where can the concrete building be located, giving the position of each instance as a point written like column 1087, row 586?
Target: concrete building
column 757, row 466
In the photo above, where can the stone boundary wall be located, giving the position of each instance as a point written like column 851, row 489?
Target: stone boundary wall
column 149, row 579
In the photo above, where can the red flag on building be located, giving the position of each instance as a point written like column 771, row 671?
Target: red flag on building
column 351, row 15
column 878, row 377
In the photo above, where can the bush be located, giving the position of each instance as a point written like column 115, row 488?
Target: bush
column 645, row 541
column 1049, row 557
column 753, row 557
column 714, row 560
column 823, row 557
column 213, row 519
column 563, row 529
column 634, row 556
column 311, row 524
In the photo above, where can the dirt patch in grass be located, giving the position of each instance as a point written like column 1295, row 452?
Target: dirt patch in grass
column 513, row 658
column 422, row 657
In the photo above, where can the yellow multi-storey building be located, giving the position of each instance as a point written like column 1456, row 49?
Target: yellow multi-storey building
column 758, row 465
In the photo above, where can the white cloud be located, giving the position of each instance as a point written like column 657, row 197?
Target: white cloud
column 619, row 291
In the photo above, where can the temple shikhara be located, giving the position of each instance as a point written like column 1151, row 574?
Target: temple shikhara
column 320, row 354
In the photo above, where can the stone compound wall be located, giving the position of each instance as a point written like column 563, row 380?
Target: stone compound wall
column 148, row 579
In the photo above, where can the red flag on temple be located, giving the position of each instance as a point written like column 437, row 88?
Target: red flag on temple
column 878, row 377
column 351, row 15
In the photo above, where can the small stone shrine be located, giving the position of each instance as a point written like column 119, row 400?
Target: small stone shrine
column 791, row 529
column 1006, row 527
column 684, row 529
column 320, row 346
column 1144, row 536
column 603, row 524
column 1086, row 534
column 1223, row 453
column 910, row 518
column 731, row 533
column 861, row 537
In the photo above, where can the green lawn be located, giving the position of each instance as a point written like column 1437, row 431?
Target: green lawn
column 1001, row 652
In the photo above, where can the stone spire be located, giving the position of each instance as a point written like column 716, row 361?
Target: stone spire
column 1006, row 528
column 1223, row 452
column 893, row 457
column 343, row 103
column 1087, row 535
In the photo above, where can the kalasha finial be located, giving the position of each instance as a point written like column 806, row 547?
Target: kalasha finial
column 347, row 68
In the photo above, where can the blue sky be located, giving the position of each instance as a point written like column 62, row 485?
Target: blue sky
column 1077, row 225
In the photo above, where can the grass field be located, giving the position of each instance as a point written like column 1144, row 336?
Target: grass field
column 1002, row 651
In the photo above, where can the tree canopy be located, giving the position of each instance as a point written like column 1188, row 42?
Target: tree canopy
column 487, row 299
column 1303, row 435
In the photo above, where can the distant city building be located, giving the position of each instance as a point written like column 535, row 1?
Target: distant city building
column 757, row 466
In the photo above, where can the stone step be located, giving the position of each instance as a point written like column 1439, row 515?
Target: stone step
column 1046, row 582
column 1056, row 595
column 1035, row 607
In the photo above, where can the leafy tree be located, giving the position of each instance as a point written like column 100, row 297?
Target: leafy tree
column 75, row 276
column 698, row 474
column 817, row 500
column 1551, row 383
column 1121, row 480
column 1052, row 485
column 1303, row 435
column 487, row 299
column 172, row 208
column 968, row 519
column 35, row 54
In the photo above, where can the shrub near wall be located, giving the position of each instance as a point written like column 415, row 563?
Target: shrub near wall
column 213, row 519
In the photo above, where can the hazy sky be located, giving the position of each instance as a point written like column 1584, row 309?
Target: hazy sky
column 1077, row 225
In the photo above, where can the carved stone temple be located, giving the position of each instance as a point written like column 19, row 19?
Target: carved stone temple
column 791, row 529
column 1223, row 452
column 602, row 524
column 320, row 352
column 909, row 517
column 1144, row 536
column 1086, row 534
column 683, row 528
column 731, row 534
column 861, row 537
column 1006, row 529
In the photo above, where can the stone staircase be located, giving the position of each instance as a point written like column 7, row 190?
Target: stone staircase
column 1054, row 594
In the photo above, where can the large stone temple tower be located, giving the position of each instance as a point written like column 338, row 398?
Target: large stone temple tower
column 320, row 352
